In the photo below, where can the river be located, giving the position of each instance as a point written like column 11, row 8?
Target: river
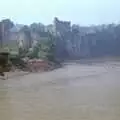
column 74, row 92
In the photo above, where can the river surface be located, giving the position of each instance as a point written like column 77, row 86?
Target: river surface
column 74, row 92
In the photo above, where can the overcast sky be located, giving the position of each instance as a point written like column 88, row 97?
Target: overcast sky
column 82, row 12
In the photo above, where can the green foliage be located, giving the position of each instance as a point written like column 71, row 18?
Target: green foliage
column 44, row 49
column 35, row 52
column 17, row 61
column 51, row 48
column 22, row 52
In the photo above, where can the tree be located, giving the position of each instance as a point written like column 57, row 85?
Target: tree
column 51, row 48
column 75, row 28
column 8, row 24
column 27, row 31
column 37, row 27
column 5, row 26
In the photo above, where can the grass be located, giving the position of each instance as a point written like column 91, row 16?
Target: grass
column 10, row 46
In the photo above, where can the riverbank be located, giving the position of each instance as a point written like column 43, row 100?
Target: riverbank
column 36, row 67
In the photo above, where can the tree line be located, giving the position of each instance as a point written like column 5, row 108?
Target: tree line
column 106, row 37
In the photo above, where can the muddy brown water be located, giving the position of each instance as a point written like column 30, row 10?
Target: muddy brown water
column 75, row 92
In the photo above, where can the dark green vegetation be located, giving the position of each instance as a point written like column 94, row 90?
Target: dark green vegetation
column 5, row 65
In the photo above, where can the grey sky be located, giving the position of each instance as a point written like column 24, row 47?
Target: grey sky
column 83, row 12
